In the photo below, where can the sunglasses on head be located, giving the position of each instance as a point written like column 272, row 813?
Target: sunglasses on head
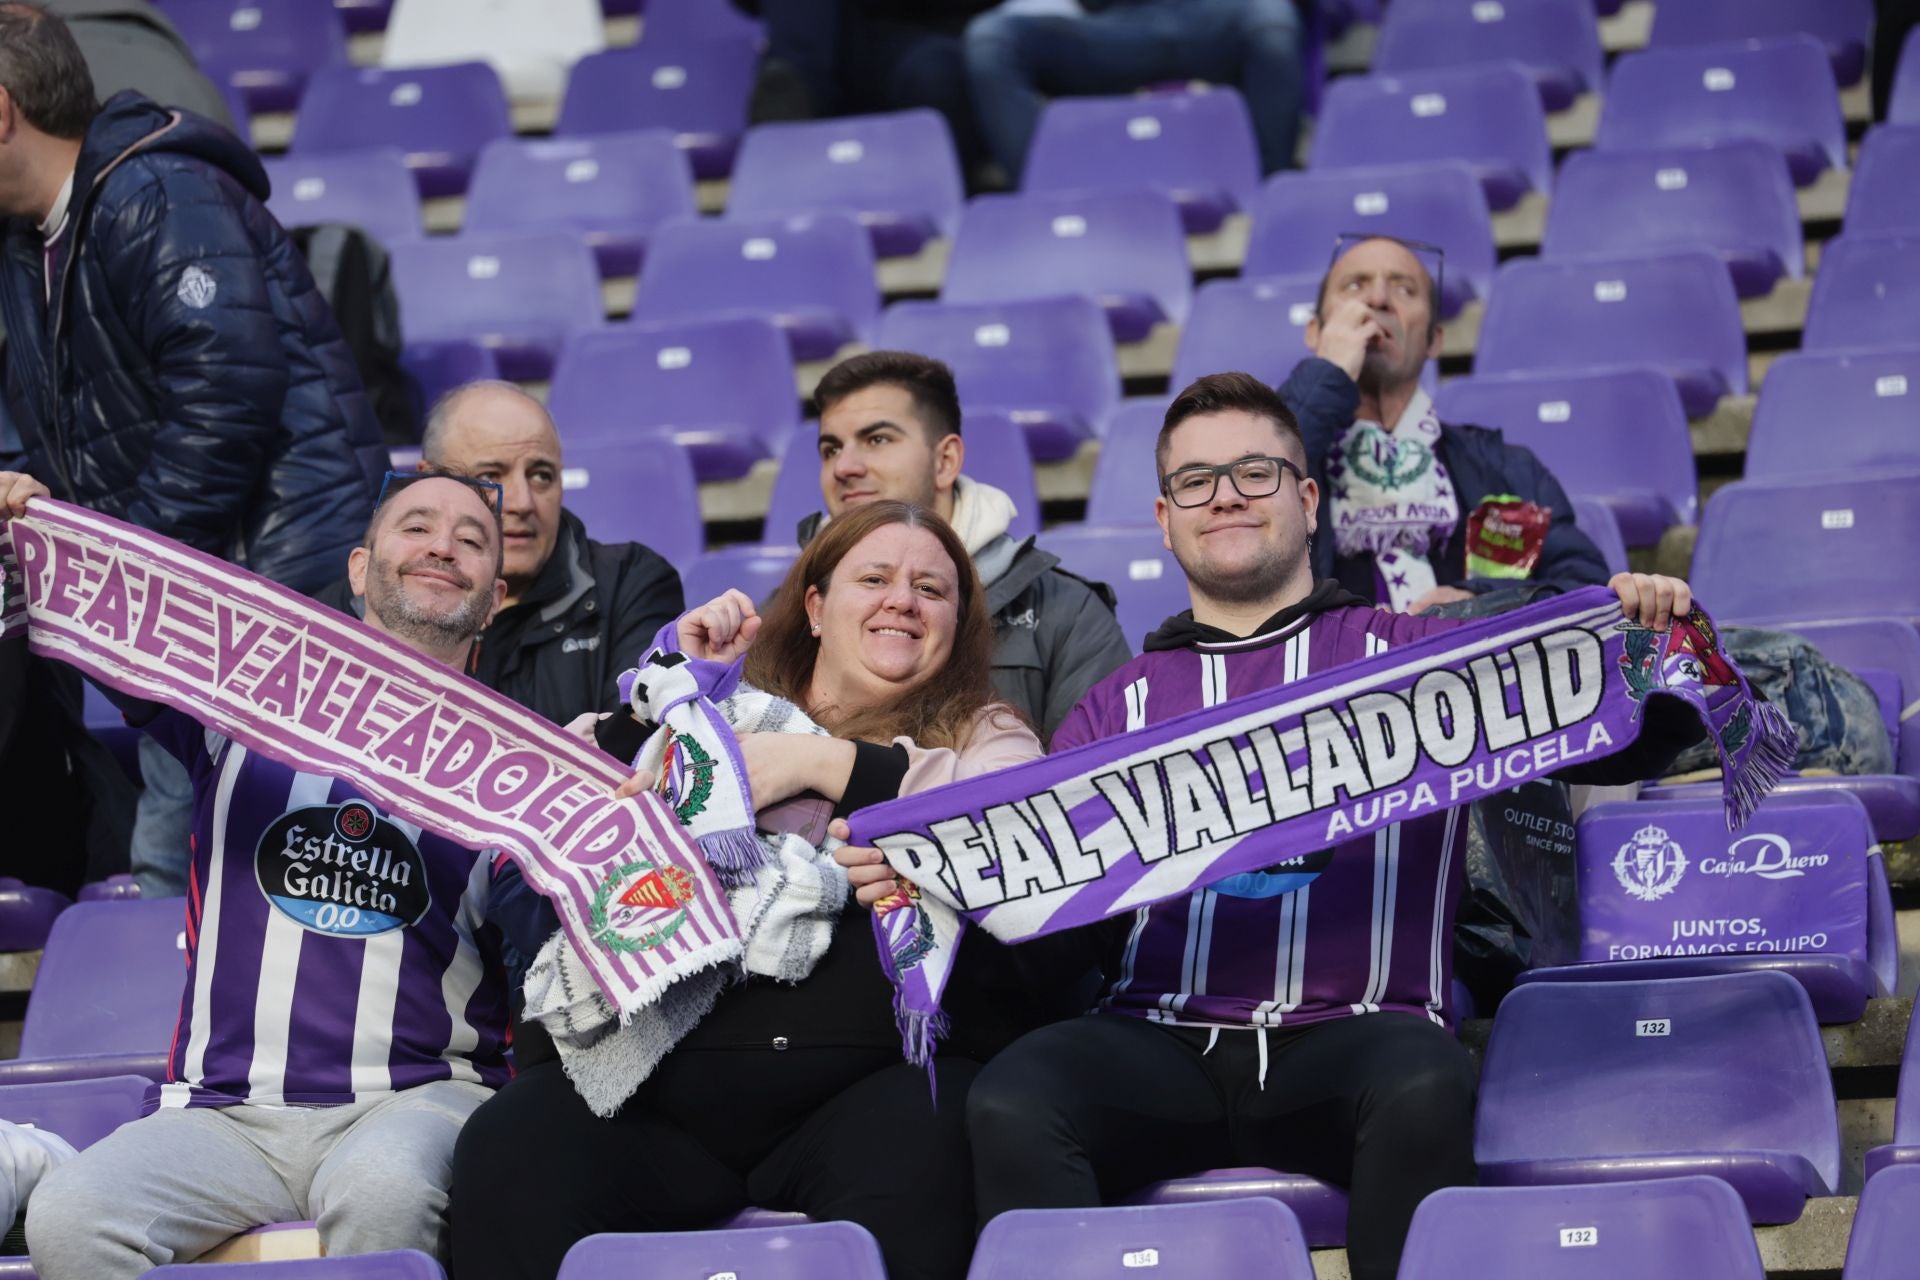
column 490, row 493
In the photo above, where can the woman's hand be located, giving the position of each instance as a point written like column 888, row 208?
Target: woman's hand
column 1652, row 599
column 582, row 725
column 783, row 765
column 867, row 870
column 16, row 487
column 641, row 781
column 721, row 629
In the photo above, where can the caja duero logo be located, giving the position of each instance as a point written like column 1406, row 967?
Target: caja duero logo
column 342, row 870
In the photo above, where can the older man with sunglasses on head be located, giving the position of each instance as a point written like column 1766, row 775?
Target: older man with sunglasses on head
column 345, row 1007
column 1418, row 513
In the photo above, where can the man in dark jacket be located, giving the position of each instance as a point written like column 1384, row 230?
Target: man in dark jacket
column 1403, row 490
column 577, row 612
column 890, row 428
column 169, row 361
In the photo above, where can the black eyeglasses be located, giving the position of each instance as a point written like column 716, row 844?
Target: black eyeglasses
column 1430, row 256
column 1252, row 478
column 490, row 493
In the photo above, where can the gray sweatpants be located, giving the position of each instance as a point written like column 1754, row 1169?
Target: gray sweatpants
column 168, row 1188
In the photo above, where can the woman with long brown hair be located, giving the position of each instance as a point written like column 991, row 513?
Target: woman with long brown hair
column 796, row 1095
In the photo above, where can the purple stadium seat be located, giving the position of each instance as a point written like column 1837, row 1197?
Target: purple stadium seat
column 1835, row 546
column 1595, row 519
column 810, row 1251
column 1217, row 1238
column 104, row 721
column 1885, row 191
column 756, row 570
column 722, row 388
column 1687, row 1228
column 1124, row 484
column 1124, row 249
column 1866, row 294
column 636, row 491
column 696, row 89
column 399, row 1264
column 27, row 912
column 1842, row 25
column 265, row 49
column 1299, row 217
column 1488, row 116
column 898, row 174
column 441, row 117
column 679, row 21
column 1048, row 361
column 1615, row 1081
column 1131, row 559
column 1801, row 880
column 1320, row 1208
column 614, row 189
column 796, row 488
column 522, row 295
column 437, row 367
column 997, row 455
column 1196, row 148
column 107, row 994
column 812, row 275
column 364, row 15
column 1557, row 41
column 1675, row 311
column 114, row 888
column 1844, row 411
column 81, row 1111
column 1777, row 91
column 1734, row 199
column 1903, row 104
column 1886, row 1226
column 1618, row 436
column 373, row 190
column 1905, row 1147
column 753, row 1217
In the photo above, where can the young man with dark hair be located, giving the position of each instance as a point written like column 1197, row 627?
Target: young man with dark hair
column 890, row 428
column 1244, row 1024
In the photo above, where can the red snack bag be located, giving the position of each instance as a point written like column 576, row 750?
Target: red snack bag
column 1505, row 537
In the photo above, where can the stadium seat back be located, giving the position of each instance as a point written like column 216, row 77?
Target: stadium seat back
column 521, row 294
column 1125, row 476
column 1903, row 102
column 812, row 1251
column 27, row 913
column 373, row 190
column 1841, row 411
column 1557, row 41
column 264, row 49
column 1885, row 195
column 697, row 89
column 1144, row 576
column 399, row 1264
column 1218, row 1238
column 440, row 117
column 110, row 981
column 1843, row 26
column 757, row 570
column 679, row 21
column 1321, row 1207
column 81, row 1111
column 636, row 490
column 1886, row 1227
column 1596, row 519
column 1866, row 294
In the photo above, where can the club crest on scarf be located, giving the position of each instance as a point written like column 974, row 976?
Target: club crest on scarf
column 1686, row 656
column 640, row 906
column 686, row 776
column 904, row 926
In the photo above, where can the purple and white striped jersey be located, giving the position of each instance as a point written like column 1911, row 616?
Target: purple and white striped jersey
column 1374, row 931
column 334, row 953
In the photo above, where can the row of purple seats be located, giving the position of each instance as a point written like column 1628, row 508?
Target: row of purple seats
column 264, row 49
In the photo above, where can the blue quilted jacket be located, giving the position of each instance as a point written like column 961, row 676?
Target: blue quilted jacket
column 187, row 374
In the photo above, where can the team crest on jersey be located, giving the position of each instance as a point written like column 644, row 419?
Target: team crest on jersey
column 342, row 870
column 1650, row 865
column 640, row 906
column 686, row 776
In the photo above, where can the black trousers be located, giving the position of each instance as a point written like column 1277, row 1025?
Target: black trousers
column 848, row 1134
column 1081, row 1113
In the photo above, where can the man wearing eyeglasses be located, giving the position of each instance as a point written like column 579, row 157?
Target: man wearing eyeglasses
column 1415, row 513
column 345, row 1005
column 1253, row 1023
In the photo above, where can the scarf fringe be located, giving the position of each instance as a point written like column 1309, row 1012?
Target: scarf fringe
column 735, row 855
column 921, row 1032
column 1771, row 758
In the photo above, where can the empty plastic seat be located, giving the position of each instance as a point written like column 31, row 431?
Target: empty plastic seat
column 522, row 295
column 1905, row 1147
column 1689, row 1228
column 1616, row 1081
column 1840, row 411
column 1866, row 294
column 530, row 46
column 1667, row 892
column 997, row 455
column 1197, row 148
column 27, row 912
column 1226, row 1237
column 812, row 275
column 796, row 488
column 1299, row 217
column 696, row 89
column 1048, row 361
column 1125, row 482
column 1124, row 249
column 1903, row 102
column 107, row 994
column 811, row 1251
column 757, row 570
column 400, row 1264
column 1885, row 195
column 1557, row 41
column 612, row 189
column 678, row 21
column 1618, row 436
column 1886, row 1227
column 265, row 49
column 372, row 190
column 1735, row 199
column 898, row 174
column 1674, row 311
column 1777, row 91
column 1132, row 560
column 722, row 389
column 441, row 117
column 1843, row 26
column 636, row 491
column 1321, row 1209
column 81, row 1111
column 114, row 888
column 439, row 366
column 1835, row 546
column 1251, row 325
column 1595, row 519
column 1488, row 116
